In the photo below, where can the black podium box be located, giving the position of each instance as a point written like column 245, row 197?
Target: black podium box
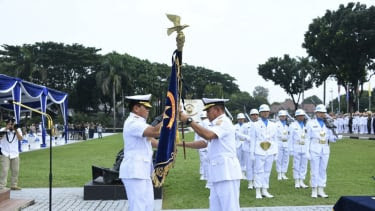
column 357, row 203
column 97, row 190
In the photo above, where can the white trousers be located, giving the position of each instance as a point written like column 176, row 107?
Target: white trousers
column 240, row 157
column 140, row 194
column 225, row 195
column 282, row 161
column 249, row 165
column 203, row 169
column 299, row 165
column 263, row 166
column 318, row 164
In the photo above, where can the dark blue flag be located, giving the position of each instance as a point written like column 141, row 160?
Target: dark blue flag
column 166, row 152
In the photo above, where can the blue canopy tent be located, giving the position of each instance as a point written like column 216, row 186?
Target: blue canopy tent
column 34, row 96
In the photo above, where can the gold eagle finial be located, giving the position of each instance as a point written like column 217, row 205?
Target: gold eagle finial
column 176, row 24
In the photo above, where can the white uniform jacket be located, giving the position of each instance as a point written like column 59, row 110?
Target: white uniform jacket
column 9, row 143
column 224, row 164
column 299, row 138
column 283, row 135
column 319, row 137
column 240, row 129
column 137, row 162
column 261, row 134
column 245, row 136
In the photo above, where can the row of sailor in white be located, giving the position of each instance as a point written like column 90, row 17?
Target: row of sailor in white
column 264, row 147
column 136, row 167
column 224, row 169
column 282, row 160
column 300, row 142
column 320, row 136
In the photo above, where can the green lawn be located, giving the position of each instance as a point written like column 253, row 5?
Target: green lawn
column 351, row 167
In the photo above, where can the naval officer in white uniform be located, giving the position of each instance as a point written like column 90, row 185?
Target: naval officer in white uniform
column 224, row 168
column 136, row 167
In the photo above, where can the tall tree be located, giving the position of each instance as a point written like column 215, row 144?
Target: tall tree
column 55, row 65
column 294, row 76
column 109, row 79
column 343, row 44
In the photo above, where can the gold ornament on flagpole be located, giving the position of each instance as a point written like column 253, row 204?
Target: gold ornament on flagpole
column 177, row 27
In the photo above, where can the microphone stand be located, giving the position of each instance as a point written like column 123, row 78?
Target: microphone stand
column 51, row 133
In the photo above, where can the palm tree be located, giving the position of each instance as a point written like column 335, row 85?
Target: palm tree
column 109, row 79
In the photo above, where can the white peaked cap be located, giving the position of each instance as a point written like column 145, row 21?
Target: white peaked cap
column 209, row 102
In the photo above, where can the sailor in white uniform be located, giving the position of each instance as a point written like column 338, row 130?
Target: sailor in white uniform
column 282, row 160
column 224, row 168
column 240, row 127
column 300, row 148
column 248, row 157
column 136, row 167
column 264, row 147
column 320, row 136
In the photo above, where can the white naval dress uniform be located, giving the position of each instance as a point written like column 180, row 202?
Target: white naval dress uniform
column 300, row 146
column 263, row 135
column 319, row 151
column 136, row 167
column 240, row 128
column 203, row 153
column 224, row 168
column 284, row 146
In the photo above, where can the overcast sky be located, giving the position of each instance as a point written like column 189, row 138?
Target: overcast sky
column 229, row 36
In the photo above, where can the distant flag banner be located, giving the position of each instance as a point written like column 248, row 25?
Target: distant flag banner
column 166, row 152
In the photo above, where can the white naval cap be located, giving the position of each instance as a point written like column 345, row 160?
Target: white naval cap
column 264, row 107
column 254, row 111
column 209, row 102
column 282, row 113
column 320, row 108
column 300, row 112
column 141, row 99
column 241, row 116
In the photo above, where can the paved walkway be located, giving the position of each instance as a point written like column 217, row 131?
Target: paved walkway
column 72, row 199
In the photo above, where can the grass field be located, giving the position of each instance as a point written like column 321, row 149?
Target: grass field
column 350, row 170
